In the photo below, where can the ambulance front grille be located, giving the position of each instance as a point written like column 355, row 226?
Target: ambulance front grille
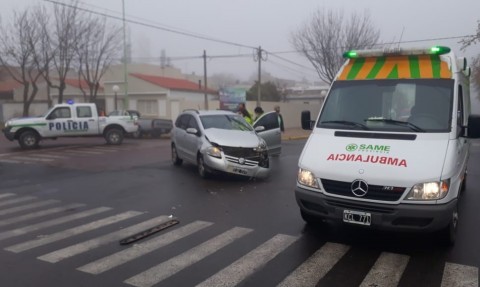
column 375, row 192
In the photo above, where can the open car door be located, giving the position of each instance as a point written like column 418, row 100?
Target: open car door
column 270, row 132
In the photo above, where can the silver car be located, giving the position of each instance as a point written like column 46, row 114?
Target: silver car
column 222, row 141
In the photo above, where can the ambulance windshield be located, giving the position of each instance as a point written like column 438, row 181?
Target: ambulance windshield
column 420, row 105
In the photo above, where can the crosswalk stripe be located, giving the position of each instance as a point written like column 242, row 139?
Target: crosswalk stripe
column 141, row 249
column 316, row 266
column 233, row 274
column 24, row 158
column 387, row 270
column 70, row 251
column 17, row 200
column 17, row 248
column 26, row 207
column 48, row 155
column 166, row 269
column 53, row 222
column 457, row 275
column 3, row 195
column 38, row 214
column 10, row 161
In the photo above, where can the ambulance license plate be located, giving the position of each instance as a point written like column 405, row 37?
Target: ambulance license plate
column 357, row 217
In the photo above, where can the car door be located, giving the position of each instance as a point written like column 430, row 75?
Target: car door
column 192, row 141
column 57, row 122
column 86, row 120
column 179, row 135
column 271, row 132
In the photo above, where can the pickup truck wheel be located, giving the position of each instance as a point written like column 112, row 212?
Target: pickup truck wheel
column 175, row 159
column 114, row 136
column 29, row 140
column 202, row 169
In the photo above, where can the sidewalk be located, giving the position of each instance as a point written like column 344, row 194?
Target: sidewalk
column 295, row 134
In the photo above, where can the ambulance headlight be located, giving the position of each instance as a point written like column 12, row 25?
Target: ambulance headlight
column 429, row 190
column 307, row 178
column 214, row 151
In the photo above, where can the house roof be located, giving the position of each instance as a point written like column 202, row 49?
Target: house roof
column 79, row 83
column 9, row 85
column 172, row 83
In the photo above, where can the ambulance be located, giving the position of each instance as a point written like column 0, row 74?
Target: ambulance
column 390, row 147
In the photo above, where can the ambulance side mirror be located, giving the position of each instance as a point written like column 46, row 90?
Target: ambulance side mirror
column 307, row 123
column 473, row 129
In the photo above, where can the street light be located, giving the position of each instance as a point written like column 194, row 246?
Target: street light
column 115, row 89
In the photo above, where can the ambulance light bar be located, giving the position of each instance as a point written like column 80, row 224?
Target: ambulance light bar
column 435, row 50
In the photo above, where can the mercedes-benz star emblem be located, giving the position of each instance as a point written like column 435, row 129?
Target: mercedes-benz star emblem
column 359, row 187
column 241, row 160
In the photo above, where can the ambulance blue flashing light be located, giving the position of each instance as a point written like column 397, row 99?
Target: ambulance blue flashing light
column 435, row 50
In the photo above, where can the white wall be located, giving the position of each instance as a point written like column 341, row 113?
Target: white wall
column 13, row 110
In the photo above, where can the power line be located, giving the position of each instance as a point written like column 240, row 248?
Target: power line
column 153, row 26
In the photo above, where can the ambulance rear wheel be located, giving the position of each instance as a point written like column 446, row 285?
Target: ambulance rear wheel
column 114, row 136
column 29, row 140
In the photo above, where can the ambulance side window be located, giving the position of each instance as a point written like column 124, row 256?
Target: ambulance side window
column 460, row 110
column 84, row 112
column 60, row 113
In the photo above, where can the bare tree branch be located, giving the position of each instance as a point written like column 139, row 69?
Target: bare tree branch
column 324, row 38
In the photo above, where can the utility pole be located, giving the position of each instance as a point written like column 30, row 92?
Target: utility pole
column 125, row 69
column 259, row 56
column 205, row 78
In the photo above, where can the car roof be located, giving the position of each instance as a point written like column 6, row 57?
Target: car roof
column 209, row 112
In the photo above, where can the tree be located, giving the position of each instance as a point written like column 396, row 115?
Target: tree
column 324, row 38
column 17, row 48
column 269, row 92
column 475, row 66
column 96, row 50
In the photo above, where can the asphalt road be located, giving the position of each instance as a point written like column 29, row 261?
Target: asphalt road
column 65, row 207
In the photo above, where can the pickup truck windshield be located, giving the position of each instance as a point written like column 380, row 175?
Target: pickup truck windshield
column 419, row 105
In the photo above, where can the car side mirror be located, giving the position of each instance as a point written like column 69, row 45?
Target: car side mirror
column 473, row 129
column 192, row 131
column 259, row 128
column 307, row 123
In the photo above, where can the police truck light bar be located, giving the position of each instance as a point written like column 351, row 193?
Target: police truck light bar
column 435, row 50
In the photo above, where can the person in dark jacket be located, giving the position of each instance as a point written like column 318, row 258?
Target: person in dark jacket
column 280, row 118
column 258, row 113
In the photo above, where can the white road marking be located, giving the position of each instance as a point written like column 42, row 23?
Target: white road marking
column 233, row 274
column 457, row 275
column 49, row 155
column 166, row 269
column 141, row 249
column 38, row 214
column 84, row 150
column 17, row 248
column 10, row 161
column 32, row 158
column 3, row 195
column 316, row 266
column 26, row 207
column 102, row 149
column 17, row 200
column 387, row 270
column 70, row 251
column 53, row 222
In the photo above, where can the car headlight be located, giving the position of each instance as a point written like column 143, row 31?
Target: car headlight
column 429, row 190
column 307, row 178
column 214, row 151
column 7, row 124
column 261, row 147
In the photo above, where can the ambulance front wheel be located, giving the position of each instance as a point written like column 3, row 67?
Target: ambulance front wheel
column 28, row 140
column 114, row 136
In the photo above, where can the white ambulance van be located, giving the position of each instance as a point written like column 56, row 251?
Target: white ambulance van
column 390, row 147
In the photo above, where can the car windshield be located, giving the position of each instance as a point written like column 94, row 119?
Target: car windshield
column 225, row 122
column 420, row 105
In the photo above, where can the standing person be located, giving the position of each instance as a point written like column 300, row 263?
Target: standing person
column 280, row 118
column 242, row 110
column 258, row 112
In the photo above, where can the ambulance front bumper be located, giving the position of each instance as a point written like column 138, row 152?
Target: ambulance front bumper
column 397, row 217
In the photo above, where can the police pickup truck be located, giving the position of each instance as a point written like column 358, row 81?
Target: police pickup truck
column 69, row 120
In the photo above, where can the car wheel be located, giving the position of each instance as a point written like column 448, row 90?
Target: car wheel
column 310, row 219
column 175, row 159
column 202, row 169
column 449, row 233
column 29, row 140
column 114, row 136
